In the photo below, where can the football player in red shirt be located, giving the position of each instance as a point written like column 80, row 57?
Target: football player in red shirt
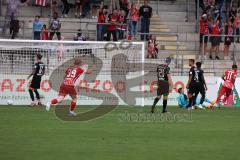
column 229, row 78
column 68, row 86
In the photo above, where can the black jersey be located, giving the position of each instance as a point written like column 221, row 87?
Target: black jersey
column 39, row 69
column 197, row 76
column 162, row 72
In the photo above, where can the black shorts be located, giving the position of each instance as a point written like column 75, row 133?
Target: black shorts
column 163, row 88
column 228, row 41
column 36, row 82
column 215, row 41
column 205, row 38
column 193, row 89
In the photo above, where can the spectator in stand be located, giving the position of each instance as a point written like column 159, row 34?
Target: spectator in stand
column 94, row 6
column 114, row 4
column 208, row 4
column 85, row 8
column 112, row 28
column 79, row 36
column 78, row 8
column 123, row 4
column 134, row 19
column 44, row 33
column 101, row 27
column 204, row 31
column 145, row 13
column 66, row 8
column 229, row 39
column 152, row 47
column 215, row 39
column 13, row 7
column 54, row 7
column 237, row 24
column 121, row 28
column 14, row 26
column 233, row 12
column 228, row 6
column 37, row 26
column 55, row 26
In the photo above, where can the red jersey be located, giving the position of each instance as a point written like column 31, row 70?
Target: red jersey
column 134, row 16
column 229, row 76
column 204, row 27
column 101, row 17
column 72, row 74
column 215, row 30
column 122, row 20
column 44, row 35
column 112, row 19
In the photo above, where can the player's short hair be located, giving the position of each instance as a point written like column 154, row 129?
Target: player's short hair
column 39, row 56
column 77, row 61
column 199, row 64
column 192, row 60
column 234, row 66
column 179, row 90
column 168, row 60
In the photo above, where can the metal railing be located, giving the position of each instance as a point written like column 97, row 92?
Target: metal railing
column 233, row 55
column 166, row 34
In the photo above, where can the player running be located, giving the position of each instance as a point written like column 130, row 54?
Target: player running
column 68, row 86
column 37, row 73
column 229, row 78
column 165, row 84
column 196, row 84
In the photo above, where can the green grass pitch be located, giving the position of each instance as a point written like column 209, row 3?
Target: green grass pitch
column 32, row 133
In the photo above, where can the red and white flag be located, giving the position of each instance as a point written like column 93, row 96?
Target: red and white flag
column 41, row 2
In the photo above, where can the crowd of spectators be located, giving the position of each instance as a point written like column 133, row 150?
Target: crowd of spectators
column 219, row 22
column 122, row 19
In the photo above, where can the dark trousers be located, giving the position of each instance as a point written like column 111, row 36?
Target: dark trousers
column 100, row 32
column 145, row 23
column 57, row 33
column 120, row 34
column 36, row 35
column 113, row 33
column 201, row 90
column 66, row 7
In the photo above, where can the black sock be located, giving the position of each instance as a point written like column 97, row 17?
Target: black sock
column 164, row 105
column 155, row 102
column 190, row 102
column 194, row 100
column 31, row 94
column 37, row 94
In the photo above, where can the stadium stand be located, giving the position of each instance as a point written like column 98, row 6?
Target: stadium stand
column 173, row 23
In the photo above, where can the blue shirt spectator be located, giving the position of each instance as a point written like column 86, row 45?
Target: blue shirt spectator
column 37, row 27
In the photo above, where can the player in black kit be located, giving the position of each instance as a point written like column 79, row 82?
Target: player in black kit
column 196, row 84
column 165, row 84
column 37, row 73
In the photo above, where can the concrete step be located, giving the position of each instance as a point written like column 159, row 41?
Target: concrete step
column 159, row 29
column 174, row 7
column 158, row 26
column 166, row 38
